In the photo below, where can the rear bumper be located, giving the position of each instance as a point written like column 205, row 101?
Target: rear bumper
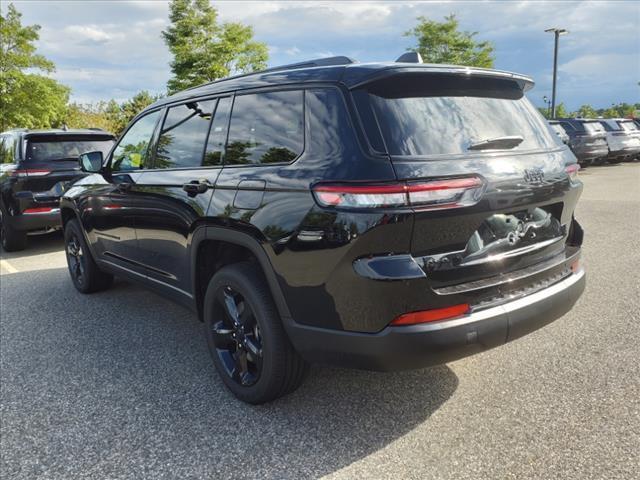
column 36, row 221
column 417, row 346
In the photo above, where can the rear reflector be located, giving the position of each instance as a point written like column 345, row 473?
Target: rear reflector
column 426, row 316
column 427, row 195
column 30, row 211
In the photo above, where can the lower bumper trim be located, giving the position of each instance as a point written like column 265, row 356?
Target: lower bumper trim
column 417, row 346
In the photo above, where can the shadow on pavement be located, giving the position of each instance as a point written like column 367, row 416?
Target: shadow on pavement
column 120, row 384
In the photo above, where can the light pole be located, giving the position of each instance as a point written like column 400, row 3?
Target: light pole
column 557, row 32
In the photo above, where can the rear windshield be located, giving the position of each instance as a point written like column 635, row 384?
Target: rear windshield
column 43, row 150
column 593, row 127
column 628, row 126
column 437, row 114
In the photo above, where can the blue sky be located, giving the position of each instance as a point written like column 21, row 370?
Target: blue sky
column 112, row 49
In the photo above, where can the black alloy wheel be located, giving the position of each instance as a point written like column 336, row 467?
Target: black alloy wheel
column 246, row 337
column 236, row 336
column 76, row 259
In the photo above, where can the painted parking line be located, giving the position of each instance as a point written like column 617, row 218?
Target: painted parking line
column 7, row 266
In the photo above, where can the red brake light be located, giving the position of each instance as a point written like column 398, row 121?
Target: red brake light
column 39, row 210
column 429, row 195
column 572, row 170
column 426, row 316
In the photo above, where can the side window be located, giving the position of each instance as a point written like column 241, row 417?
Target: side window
column 183, row 135
column 6, row 149
column 266, row 128
column 218, row 133
column 132, row 151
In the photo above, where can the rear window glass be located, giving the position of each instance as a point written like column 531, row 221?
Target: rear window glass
column 593, row 127
column 266, row 128
column 54, row 150
column 628, row 126
column 435, row 114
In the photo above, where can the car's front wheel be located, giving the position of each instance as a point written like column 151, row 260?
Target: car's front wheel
column 85, row 274
column 247, row 341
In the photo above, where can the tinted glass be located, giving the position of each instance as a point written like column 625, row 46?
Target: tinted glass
column 133, row 150
column 266, row 128
column 435, row 114
column 51, row 149
column 218, row 133
column 628, row 126
column 184, row 133
column 593, row 127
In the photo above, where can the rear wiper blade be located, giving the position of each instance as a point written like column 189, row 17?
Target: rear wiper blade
column 501, row 143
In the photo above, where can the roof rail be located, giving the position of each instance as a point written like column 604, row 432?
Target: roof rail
column 318, row 62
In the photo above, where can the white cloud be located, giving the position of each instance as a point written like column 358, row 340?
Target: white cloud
column 104, row 48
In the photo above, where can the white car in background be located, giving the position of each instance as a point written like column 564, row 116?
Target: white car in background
column 623, row 139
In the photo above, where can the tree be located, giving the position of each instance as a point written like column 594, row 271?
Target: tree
column 442, row 42
column 561, row 111
column 587, row 111
column 27, row 99
column 204, row 50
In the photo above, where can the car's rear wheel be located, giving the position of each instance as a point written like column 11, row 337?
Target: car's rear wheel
column 247, row 341
column 12, row 240
column 85, row 274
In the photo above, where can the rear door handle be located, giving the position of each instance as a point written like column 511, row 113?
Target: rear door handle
column 195, row 187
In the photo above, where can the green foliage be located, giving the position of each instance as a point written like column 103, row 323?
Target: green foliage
column 27, row 99
column 587, row 111
column 561, row 111
column 442, row 42
column 204, row 50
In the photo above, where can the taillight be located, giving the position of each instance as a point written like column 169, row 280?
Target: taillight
column 572, row 171
column 30, row 211
column 427, row 195
column 426, row 316
column 30, row 173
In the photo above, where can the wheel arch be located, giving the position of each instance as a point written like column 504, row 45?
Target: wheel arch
column 215, row 247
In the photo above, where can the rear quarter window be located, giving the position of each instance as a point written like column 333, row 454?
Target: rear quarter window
column 266, row 127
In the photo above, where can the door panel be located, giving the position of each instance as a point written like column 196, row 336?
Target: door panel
column 165, row 218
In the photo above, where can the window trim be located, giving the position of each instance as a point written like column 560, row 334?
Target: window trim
column 283, row 88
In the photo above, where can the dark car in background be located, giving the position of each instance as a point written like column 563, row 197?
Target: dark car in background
column 35, row 167
column 560, row 131
column 383, row 216
column 587, row 139
column 623, row 139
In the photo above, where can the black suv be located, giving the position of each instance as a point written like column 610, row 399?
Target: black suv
column 35, row 166
column 381, row 216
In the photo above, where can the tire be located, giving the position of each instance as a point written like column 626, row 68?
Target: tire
column 85, row 274
column 12, row 240
column 246, row 339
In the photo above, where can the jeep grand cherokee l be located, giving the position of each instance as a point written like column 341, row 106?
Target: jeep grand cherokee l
column 382, row 216
column 35, row 166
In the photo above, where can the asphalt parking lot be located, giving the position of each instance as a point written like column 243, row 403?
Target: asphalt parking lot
column 119, row 385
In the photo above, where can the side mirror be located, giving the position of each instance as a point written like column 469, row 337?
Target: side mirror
column 91, row 162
